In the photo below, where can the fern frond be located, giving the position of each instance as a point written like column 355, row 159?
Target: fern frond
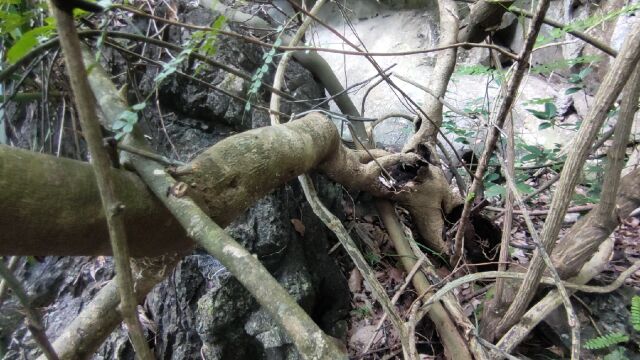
column 607, row 340
column 635, row 312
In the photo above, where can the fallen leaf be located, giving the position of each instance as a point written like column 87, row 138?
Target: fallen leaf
column 298, row 226
column 363, row 335
column 355, row 281
column 396, row 275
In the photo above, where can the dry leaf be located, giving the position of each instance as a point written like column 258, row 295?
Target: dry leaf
column 355, row 281
column 396, row 275
column 298, row 226
column 363, row 335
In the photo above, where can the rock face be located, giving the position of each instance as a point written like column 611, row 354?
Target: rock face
column 474, row 86
column 201, row 310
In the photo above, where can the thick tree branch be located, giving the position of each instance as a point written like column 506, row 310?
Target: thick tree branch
column 577, row 246
column 609, row 90
column 484, row 17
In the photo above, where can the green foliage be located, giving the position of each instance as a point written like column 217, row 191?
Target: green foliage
column 495, row 190
column 362, row 312
column 25, row 42
column 611, row 339
column 470, row 196
column 475, row 70
column 17, row 30
column 372, row 258
column 607, row 340
column 256, row 79
column 206, row 41
column 126, row 120
column 548, row 68
column 578, row 80
column 635, row 312
column 537, row 154
column 548, row 115
column 586, row 23
column 617, row 354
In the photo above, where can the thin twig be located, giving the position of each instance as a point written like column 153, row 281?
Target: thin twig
column 580, row 35
column 543, row 212
column 318, row 49
column 11, row 264
column 34, row 324
column 394, row 300
column 113, row 208
column 498, row 120
column 9, row 70
column 508, row 220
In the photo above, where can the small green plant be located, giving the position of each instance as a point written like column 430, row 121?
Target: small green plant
column 203, row 42
column 635, row 313
column 607, row 340
column 475, row 70
column 586, row 23
column 578, row 81
column 362, row 312
column 548, row 115
column 126, row 121
column 372, row 258
column 548, row 68
column 256, row 79
column 616, row 338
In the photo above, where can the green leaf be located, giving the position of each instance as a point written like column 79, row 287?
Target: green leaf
column 617, row 354
column 118, row 124
column 607, row 340
column 533, row 149
column 545, row 125
column 491, row 177
column 539, row 114
column 572, row 90
column 139, row 106
column 277, row 43
column 128, row 128
column 27, row 42
column 635, row 312
column 470, row 196
column 11, row 21
column 584, row 72
column 220, row 21
column 129, row 117
column 524, row 188
column 550, row 109
column 495, row 190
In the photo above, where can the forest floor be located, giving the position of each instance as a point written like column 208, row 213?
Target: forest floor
column 599, row 314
